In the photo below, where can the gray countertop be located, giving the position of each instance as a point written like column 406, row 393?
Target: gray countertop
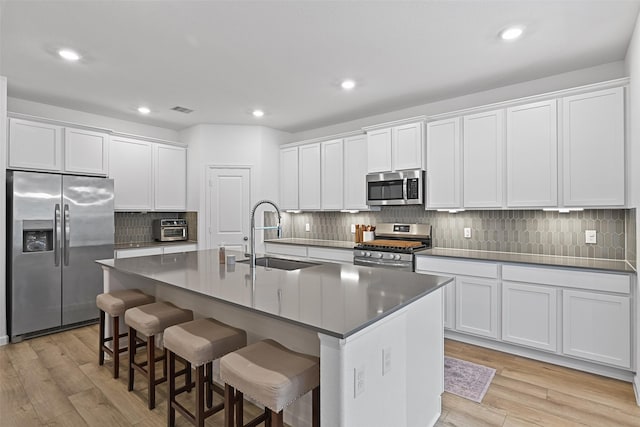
column 137, row 245
column 620, row 266
column 313, row 242
column 333, row 299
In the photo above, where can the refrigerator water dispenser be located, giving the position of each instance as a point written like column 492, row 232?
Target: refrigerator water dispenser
column 37, row 235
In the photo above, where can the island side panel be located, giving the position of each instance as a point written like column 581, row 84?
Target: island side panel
column 406, row 391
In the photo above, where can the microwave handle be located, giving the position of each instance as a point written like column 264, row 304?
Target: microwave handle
column 405, row 193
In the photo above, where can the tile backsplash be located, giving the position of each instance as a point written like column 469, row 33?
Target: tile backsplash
column 135, row 227
column 524, row 231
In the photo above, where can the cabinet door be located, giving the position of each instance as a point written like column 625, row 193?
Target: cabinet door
column 379, row 150
column 477, row 306
column 289, row 178
column 483, row 158
column 332, row 174
column 355, row 171
column 406, row 143
column 86, row 152
column 130, row 167
column 34, row 145
column 309, row 176
column 529, row 315
column 170, row 170
column 444, row 157
column 597, row 327
column 449, row 305
column 593, row 149
column 532, row 155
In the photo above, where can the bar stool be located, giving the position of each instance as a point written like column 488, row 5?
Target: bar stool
column 272, row 375
column 115, row 304
column 149, row 320
column 199, row 342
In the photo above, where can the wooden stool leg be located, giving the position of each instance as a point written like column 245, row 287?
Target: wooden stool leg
column 209, row 388
column 171, row 413
column 187, row 377
column 132, row 356
column 315, row 417
column 268, row 419
column 151, row 370
column 200, row 385
column 229, row 400
column 101, row 339
column 277, row 419
column 116, row 347
column 239, row 409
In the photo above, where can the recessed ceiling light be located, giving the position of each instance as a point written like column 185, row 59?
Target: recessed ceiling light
column 348, row 84
column 511, row 33
column 258, row 113
column 69, row 54
column 144, row 110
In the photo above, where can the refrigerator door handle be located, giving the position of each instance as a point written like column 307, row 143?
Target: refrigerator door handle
column 67, row 234
column 56, row 238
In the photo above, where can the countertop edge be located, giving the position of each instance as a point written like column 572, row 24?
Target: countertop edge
column 320, row 243
column 140, row 245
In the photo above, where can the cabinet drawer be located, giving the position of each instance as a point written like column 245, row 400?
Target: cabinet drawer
column 340, row 255
column 455, row 267
column 274, row 248
column 619, row 283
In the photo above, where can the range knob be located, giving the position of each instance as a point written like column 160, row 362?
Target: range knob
column 378, row 255
column 396, row 257
column 367, row 254
column 390, row 256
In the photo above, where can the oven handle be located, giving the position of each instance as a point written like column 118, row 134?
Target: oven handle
column 377, row 263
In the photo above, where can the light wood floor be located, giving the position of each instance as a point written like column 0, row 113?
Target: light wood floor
column 55, row 380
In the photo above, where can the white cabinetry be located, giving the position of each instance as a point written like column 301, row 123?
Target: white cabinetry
column 529, row 315
column 395, row 148
column 355, row 171
column 131, row 168
column 309, row 176
column 597, row 327
column 449, row 305
column 47, row 147
column 170, row 170
column 593, row 149
column 483, row 159
column 444, row 161
column 289, row 178
column 155, row 250
column 477, row 306
column 532, row 155
column 332, row 174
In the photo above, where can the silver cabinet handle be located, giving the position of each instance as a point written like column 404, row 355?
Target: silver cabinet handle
column 57, row 231
column 67, row 232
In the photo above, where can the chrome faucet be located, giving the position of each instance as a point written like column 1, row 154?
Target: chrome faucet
column 253, row 228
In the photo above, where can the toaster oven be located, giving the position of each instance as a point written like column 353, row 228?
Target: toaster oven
column 168, row 230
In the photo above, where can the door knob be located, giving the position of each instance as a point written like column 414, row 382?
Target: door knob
column 245, row 238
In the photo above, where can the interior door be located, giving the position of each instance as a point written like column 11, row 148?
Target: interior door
column 229, row 199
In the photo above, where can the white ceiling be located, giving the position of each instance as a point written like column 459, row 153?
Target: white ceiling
column 225, row 58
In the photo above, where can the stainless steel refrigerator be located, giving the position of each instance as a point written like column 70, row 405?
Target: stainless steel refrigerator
column 57, row 226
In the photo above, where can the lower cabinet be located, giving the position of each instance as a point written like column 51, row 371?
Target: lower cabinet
column 477, row 306
column 530, row 315
column 312, row 253
column 597, row 327
column 449, row 305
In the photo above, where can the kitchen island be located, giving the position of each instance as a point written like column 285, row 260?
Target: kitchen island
column 379, row 333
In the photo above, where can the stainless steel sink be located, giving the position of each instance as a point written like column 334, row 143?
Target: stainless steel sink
column 279, row 263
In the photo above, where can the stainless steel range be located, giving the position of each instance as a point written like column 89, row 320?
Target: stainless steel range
column 394, row 247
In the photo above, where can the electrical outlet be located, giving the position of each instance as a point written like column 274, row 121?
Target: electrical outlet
column 467, row 232
column 353, row 229
column 386, row 360
column 590, row 236
column 358, row 381
column 307, row 227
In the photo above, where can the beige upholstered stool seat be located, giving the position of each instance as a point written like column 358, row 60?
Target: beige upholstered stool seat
column 270, row 373
column 151, row 319
column 199, row 342
column 203, row 340
column 117, row 302
column 114, row 304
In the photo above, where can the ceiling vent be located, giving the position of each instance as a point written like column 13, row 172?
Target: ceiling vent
column 182, row 109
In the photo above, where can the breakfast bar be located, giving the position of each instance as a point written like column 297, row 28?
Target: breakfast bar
column 378, row 332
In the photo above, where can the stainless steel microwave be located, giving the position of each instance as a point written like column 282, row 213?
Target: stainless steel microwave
column 396, row 188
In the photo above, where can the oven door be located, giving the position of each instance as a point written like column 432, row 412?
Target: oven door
column 168, row 234
column 384, row 263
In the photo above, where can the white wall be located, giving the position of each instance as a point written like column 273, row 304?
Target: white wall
column 632, row 64
column 16, row 105
column 571, row 79
column 230, row 145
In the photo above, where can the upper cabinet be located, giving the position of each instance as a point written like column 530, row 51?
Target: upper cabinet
column 332, row 173
column 147, row 176
column 46, row 147
column 355, row 171
column 289, row 178
column 593, row 162
column 532, row 155
column 395, row 148
column 309, row 176
column 483, row 145
column 444, row 164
